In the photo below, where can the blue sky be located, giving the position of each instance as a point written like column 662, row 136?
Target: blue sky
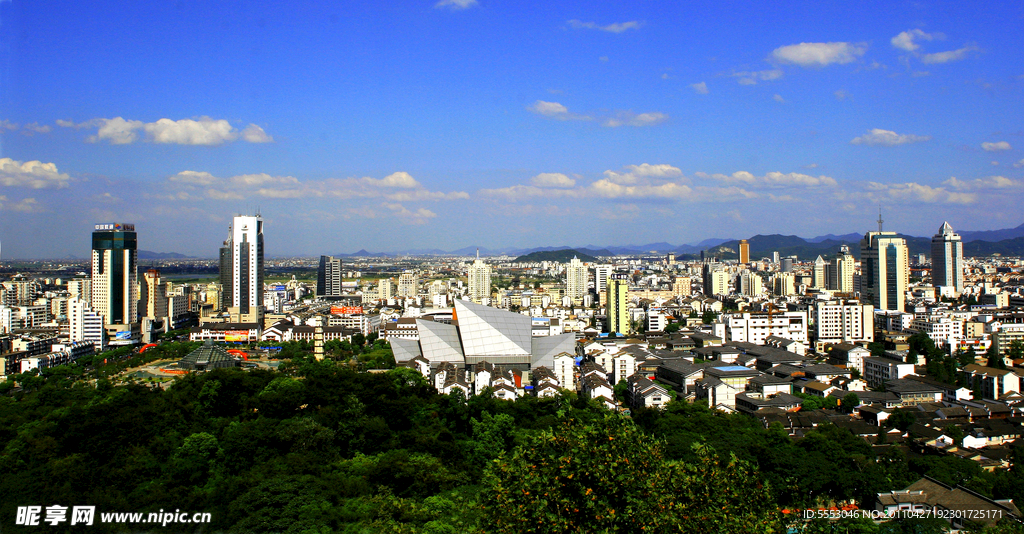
column 411, row 125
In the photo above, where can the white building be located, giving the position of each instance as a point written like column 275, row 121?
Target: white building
column 839, row 276
column 838, row 321
column 247, row 263
column 879, row 370
column 756, row 327
column 601, row 275
column 948, row 259
column 86, row 324
column 479, row 275
column 564, row 369
column 575, row 279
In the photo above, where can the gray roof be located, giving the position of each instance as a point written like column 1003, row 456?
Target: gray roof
column 208, row 356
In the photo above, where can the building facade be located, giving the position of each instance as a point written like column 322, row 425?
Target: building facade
column 885, row 267
column 948, row 259
column 618, row 307
column 115, row 278
column 247, row 263
column 479, row 275
column 328, row 277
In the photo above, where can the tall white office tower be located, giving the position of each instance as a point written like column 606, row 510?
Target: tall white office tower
column 840, row 271
column 948, row 259
column 885, row 270
column 247, row 264
column 576, row 279
column 479, row 275
column 601, row 275
column 115, row 278
column 328, row 277
column 85, row 324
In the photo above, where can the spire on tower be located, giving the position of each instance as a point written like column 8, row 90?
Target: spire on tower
column 880, row 221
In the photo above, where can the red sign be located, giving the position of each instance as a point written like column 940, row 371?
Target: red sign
column 346, row 310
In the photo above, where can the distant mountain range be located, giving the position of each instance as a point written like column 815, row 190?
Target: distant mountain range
column 562, row 256
column 149, row 255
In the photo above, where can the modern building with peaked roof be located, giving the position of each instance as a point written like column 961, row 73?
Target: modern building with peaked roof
column 208, row 356
column 481, row 333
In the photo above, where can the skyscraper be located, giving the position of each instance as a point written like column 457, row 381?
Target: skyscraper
column 840, row 271
column 247, row 263
column 885, row 268
column 408, row 284
column 948, row 259
column 85, row 324
column 226, row 272
column 818, row 274
column 618, row 311
column 601, row 275
column 328, row 277
column 576, row 279
column 744, row 251
column 115, row 279
column 479, row 275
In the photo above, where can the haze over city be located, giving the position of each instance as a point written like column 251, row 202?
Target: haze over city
column 471, row 122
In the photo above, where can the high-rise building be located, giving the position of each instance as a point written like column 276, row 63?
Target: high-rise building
column 820, row 268
column 328, row 277
column 601, row 275
column 247, row 263
column 744, row 251
column 115, row 282
column 840, row 272
column 783, row 284
column 479, row 275
column 885, row 267
column 839, row 321
column 85, row 324
column 670, row 260
column 787, row 265
column 408, row 285
column 716, row 280
column 618, row 310
column 153, row 300
column 948, row 259
column 576, row 279
column 750, row 283
column 681, row 286
column 226, row 272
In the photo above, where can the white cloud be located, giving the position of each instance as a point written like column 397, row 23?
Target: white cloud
column 603, row 59
column 752, row 77
column 8, row 125
column 194, row 178
column 946, row 57
column 1019, row 164
column 32, row 174
column 215, row 194
column 255, row 134
column 644, row 170
column 818, row 54
column 841, row 95
column 264, row 179
column 988, row 182
column 699, row 88
column 399, row 179
column 28, row 205
column 117, row 131
column 628, row 118
column 998, row 146
column 609, row 189
column 778, row 98
column 202, row 131
column 915, row 192
column 35, row 127
column 811, row 166
column 772, row 179
column 617, row 27
column 552, row 179
column 879, row 137
column 419, row 216
column 456, row 5
column 905, row 40
column 554, row 110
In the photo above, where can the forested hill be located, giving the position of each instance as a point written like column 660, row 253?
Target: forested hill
column 561, row 256
column 318, row 447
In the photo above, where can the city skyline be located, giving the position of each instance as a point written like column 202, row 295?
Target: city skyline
column 444, row 124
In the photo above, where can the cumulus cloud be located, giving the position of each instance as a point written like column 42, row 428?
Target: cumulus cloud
column 32, row 174
column 818, row 54
column 946, row 57
column 194, row 178
column 556, row 111
column 699, row 88
column 202, row 131
column 988, row 182
column 998, row 146
column 552, row 179
column 771, row 179
column 905, row 40
column 778, row 98
column 1019, row 164
column 396, row 187
column 617, row 27
column 456, row 5
column 879, row 137
column 628, row 118
column 8, row 125
column 28, row 205
column 35, row 127
column 634, row 173
column 752, row 77
column 915, row 192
